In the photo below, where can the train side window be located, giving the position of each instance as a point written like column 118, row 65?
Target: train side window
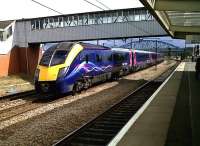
column 126, row 56
column 118, row 57
column 115, row 57
column 84, row 57
column 98, row 58
column 122, row 58
column 110, row 57
column 104, row 59
column 87, row 58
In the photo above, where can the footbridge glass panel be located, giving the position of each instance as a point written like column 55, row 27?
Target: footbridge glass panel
column 91, row 18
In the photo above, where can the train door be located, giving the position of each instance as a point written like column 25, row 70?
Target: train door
column 134, row 60
column 130, row 59
column 107, row 64
column 87, row 59
column 98, row 60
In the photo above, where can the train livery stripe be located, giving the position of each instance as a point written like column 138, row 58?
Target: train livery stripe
column 76, row 49
column 51, row 73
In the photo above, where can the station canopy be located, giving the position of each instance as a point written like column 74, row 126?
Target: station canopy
column 180, row 18
column 4, row 24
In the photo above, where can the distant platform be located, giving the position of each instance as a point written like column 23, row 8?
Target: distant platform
column 172, row 117
column 14, row 84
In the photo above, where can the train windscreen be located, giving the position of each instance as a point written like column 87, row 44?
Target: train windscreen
column 56, row 54
column 59, row 57
column 46, row 58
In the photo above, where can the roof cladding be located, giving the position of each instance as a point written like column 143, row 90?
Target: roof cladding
column 184, row 18
column 180, row 18
column 4, row 24
column 64, row 46
column 92, row 46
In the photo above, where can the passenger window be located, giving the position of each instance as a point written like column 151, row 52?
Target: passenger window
column 84, row 57
column 98, row 58
column 118, row 57
column 110, row 57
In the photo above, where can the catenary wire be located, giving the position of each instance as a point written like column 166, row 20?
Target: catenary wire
column 94, row 5
column 103, row 4
column 46, row 7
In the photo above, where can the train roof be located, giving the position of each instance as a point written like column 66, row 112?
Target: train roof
column 60, row 46
column 121, row 49
column 92, row 46
column 142, row 51
column 69, row 45
column 64, row 46
column 127, row 50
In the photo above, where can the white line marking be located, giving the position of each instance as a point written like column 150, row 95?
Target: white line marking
column 181, row 67
column 123, row 131
column 15, row 85
column 190, row 98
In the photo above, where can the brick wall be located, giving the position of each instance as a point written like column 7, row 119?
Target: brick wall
column 20, row 60
column 4, row 63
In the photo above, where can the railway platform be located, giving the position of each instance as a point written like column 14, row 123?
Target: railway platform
column 15, row 84
column 170, row 116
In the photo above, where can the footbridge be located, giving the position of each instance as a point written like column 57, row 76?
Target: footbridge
column 123, row 23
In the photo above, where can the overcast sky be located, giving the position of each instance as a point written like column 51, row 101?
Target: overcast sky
column 18, row 9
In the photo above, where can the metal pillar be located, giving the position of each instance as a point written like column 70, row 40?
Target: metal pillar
column 156, row 54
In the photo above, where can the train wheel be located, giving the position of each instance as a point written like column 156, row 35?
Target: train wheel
column 115, row 76
column 88, row 83
column 76, row 88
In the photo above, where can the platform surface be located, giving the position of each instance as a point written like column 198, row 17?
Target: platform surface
column 172, row 118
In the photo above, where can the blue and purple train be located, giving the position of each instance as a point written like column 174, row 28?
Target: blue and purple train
column 70, row 66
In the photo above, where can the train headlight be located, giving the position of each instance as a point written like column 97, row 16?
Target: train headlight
column 36, row 76
column 62, row 72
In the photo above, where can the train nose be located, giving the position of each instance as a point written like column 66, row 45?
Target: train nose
column 45, row 87
column 48, row 74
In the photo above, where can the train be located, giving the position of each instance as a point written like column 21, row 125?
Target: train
column 75, row 66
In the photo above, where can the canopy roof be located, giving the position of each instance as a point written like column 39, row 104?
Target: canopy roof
column 180, row 18
column 4, row 24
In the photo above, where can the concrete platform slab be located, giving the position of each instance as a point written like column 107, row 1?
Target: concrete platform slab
column 166, row 121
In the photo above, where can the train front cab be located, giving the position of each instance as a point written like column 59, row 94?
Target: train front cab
column 81, row 63
column 54, row 66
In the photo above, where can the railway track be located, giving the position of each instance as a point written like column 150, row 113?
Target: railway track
column 19, row 103
column 18, row 95
column 102, row 129
column 14, row 101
